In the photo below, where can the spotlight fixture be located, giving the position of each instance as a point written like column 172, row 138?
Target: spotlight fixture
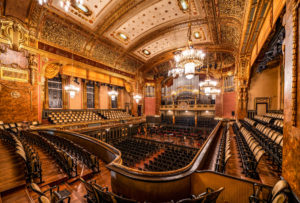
column 197, row 35
column 123, row 36
column 184, row 5
column 146, row 52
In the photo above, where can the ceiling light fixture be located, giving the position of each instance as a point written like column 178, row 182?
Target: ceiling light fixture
column 184, row 5
column 113, row 94
column 197, row 35
column 190, row 58
column 41, row 2
column 146, row 52
column 137, row 98
column 209, row 87
column 123, row 36
column 65, row 4
column 72, row 90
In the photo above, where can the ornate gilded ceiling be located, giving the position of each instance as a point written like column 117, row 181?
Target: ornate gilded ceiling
column 117, row 33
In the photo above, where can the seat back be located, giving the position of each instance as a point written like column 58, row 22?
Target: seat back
column 91, row 193
column 281, row 198
column 103, row 195
column 120, row 199
column 279, row 187
column 213, row 196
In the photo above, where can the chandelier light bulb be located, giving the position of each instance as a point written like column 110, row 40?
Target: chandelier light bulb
column 72, row 94
column 71, row 89
column 113, row 94
column 137, row 98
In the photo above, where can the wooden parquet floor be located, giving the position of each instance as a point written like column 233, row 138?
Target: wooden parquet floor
column 12, row 168
column 267, row 174
column 52, row 175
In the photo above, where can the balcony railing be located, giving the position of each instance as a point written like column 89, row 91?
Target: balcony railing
column 191, row 107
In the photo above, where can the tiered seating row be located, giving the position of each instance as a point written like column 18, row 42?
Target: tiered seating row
column 90, row 160
column 171, row 159
column 16, row 127
column 65, row 160
column 275, row 123
column 269, row 139
column 135, row 150
column 275, row 115
column 249, row 149
column 61, row 117
column 224, row 152
column 114, row 114
column 28, row 155
column 263, row 119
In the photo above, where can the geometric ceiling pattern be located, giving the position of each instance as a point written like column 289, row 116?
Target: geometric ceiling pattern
column 86, row 15
column 143, row 31
column 146, row 19
column 173, row 40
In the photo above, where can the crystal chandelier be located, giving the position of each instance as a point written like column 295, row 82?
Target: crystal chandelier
column 72, row 90
column 137, row 98
column 65, row 4
column 113, row 94
column 208, row 86
column 190, row 58
column 175, row 72
column 41, row 2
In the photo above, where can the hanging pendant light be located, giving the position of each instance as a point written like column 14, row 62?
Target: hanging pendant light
column 208, row 86
column 190, row 58
column 41, row 2
column 113, row 94
column 72, row 89
column 137, row 98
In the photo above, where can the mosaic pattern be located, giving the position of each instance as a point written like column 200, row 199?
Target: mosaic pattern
column 230, row 34
column 233, row 8
column 61, row 35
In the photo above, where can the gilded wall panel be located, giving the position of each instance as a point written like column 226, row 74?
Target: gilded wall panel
column 105, row 54
column 233, row 8
column 230, row 34
column 62, row 35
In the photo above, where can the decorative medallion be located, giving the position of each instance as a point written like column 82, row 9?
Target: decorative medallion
column 15, row 94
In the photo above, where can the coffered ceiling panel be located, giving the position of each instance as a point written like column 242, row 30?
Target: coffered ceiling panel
column 173, row 40
column 150, row 17
column 87, row 14
column 139, row 33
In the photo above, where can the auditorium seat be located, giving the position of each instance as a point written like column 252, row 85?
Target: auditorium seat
column 249, row 150
column 280, row 192
column 210, row 196
column 91, row 196
column 114, row 114
column 27, row 153
column 63, row 117
column 224, row 152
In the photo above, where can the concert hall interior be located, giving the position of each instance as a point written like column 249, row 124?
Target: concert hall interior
column 149, row 101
